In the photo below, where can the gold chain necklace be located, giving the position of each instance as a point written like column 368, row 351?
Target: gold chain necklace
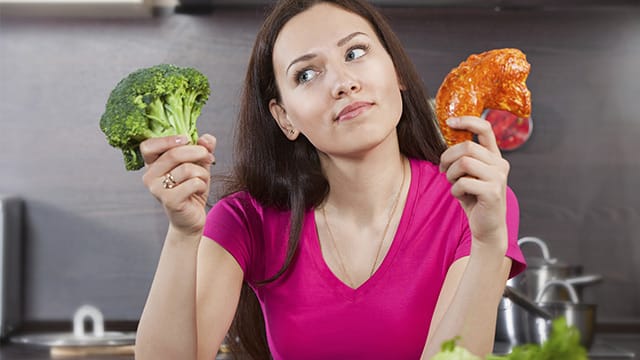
column 384, row 233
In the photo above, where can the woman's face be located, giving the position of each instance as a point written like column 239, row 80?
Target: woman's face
column 337, row 83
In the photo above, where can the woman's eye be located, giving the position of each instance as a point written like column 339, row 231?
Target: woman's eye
column 305, row 76
column 355, row 53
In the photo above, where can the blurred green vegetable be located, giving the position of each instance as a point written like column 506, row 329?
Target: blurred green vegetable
column 450, row 351
column 563, row 343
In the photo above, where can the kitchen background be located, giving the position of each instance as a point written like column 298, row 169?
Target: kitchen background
column 93, row 233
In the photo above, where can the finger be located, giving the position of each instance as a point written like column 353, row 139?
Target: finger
column 209, row 141
column 469, row 166
column 461, row 190
column 467, row 148
column 188, row 171
column 487, row 191
column 478, row 126
column 176, row 197
column 175, row 157
column 178, row 176
column 152, row 148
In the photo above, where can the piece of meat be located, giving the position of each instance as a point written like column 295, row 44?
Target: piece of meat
column 494, row 79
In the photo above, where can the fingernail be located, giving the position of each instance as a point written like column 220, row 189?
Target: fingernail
column 181, row 139
column 453, row 121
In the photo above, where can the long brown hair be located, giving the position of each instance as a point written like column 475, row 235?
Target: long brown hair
column 287, row 174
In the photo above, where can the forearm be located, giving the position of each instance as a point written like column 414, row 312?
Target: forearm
column 472, row 312
column 167, row 328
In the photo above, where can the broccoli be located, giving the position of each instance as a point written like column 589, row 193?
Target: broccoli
column 161, row 100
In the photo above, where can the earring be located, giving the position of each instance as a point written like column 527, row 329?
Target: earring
column 291, row 131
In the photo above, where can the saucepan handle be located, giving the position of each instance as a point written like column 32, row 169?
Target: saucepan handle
column 572, row 291
column 522, row 300
column 583, row 280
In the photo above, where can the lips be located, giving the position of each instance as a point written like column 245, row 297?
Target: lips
column 353, row 110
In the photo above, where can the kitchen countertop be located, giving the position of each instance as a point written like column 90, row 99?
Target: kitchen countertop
column 621, row 343
column 607, row 346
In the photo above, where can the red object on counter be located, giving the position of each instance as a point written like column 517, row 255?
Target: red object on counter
column 511, row 131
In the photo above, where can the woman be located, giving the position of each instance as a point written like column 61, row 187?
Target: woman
column 362, row 236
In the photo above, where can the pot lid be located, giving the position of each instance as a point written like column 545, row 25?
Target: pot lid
column 80, row 338
column 546, row 261
column 539, row 262
column 109, row 338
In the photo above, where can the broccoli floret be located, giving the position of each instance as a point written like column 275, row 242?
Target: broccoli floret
column 161, row 100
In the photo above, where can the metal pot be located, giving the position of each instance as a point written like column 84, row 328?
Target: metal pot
column 582, row 316
column 541, row 270
column 514, row 314
column 512, row 319
column 79, row 339
column 512, row 323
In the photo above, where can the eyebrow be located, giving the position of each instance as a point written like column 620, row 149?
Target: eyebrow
column 340, row 43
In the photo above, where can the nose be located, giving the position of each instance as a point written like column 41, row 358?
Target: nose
column 345, row 84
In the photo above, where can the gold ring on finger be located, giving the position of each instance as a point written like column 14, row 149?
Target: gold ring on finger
column 168, row 181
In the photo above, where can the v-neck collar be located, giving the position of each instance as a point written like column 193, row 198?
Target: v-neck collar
column 331, row 278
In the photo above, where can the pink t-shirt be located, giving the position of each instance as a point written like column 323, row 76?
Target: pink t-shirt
column 311, row 314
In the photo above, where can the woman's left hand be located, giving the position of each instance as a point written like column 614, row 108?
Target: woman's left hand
column 479, row 177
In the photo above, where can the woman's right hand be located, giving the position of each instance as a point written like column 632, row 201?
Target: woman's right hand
column 189, row 166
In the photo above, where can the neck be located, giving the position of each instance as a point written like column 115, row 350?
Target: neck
column 364, row 187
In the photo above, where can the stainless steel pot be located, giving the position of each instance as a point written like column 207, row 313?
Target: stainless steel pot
column 582, row 316
column 514, row 315
column 512, row 324
column 512, row 319
column 541, row 270
column 65, row 343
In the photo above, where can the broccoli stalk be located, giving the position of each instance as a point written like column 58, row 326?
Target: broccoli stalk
column 161, row 100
